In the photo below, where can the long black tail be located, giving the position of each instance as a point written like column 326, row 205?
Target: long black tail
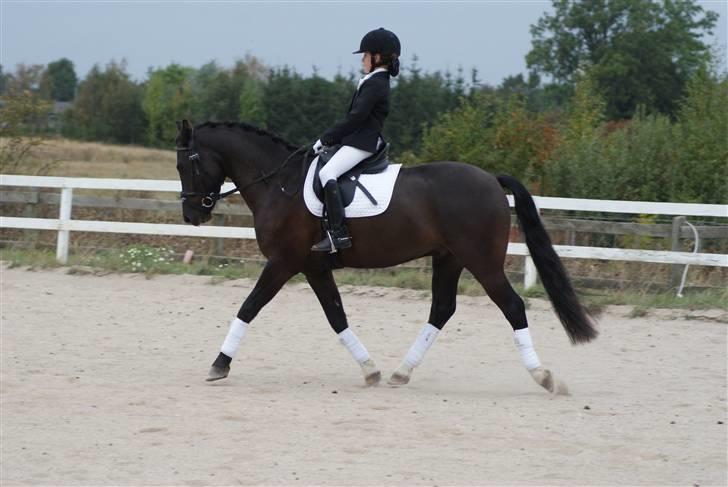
column 579, row 325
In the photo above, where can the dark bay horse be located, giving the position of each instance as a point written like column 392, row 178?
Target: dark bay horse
column 454, row 212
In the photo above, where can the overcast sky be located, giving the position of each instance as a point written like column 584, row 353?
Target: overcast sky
column 492, row 36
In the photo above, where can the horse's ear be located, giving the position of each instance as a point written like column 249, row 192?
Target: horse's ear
column 179, row 125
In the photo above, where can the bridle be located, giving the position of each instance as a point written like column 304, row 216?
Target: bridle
column 209, row 200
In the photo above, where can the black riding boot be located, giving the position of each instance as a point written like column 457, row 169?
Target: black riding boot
column 337, row 236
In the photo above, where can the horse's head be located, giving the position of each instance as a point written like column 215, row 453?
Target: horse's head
column 200, row 173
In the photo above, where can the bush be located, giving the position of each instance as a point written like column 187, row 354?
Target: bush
column 21, row 114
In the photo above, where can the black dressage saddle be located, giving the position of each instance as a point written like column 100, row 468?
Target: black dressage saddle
column 349, row 181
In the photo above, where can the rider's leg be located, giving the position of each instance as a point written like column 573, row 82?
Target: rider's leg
column 338, row 236
column 345, row 158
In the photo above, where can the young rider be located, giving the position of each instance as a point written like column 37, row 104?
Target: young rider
column 360, row 133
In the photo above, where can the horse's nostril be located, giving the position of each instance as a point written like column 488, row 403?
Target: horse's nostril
column 187, row 220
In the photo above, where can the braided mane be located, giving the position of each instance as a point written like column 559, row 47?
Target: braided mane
column 249, row 128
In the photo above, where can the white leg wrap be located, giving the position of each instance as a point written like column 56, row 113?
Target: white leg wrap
column 422, row 344
column 355, row 347
column 524, row 343
column 233, row 338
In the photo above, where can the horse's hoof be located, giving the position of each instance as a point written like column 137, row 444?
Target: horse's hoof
column 217, row 373
column 545, row 379
column 373, row 379
column 371, row 372
column 398, row 380
column 401, row 376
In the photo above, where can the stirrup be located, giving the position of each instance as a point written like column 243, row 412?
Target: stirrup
column 332, row 244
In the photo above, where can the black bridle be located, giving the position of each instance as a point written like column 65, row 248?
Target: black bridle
column 209, row 200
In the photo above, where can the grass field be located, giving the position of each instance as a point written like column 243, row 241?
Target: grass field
column 152, row 261
column 90, row 159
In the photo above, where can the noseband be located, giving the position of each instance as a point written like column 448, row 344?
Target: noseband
column 209, row 200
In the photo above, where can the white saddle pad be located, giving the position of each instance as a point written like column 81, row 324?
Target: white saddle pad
column 379, row 185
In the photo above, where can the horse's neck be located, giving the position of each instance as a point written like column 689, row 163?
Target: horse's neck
column 252, row 159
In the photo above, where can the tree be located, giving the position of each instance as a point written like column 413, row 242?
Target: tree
column 417, row 100
column 24, row 105
column 494, row 133
column 108, row 107
column 300, row 109
column 61, row 79
column 702, row 175
column 640, row 52
column 3, row 80
column 20, row 113
column 252, row 110
column 27, row 77
column 538, row 98
column 216, row 92
column 168, row 97
column 465, row 134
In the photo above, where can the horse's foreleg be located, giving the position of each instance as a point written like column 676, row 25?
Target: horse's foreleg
column 446, row 272
column 269, row 283
column 323, row 284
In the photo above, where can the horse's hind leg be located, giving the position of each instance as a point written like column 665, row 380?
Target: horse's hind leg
column 323, row 284
column 496, row 284
column 446, row 272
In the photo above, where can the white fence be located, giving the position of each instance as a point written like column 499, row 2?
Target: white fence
column 64, row 224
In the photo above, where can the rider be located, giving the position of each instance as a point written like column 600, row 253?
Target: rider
column 360, row 133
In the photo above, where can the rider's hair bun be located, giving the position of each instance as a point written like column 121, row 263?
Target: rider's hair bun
column 393, row 65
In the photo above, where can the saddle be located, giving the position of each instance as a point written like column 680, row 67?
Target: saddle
column 349, row 181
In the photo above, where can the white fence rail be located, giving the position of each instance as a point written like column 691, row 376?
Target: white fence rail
column 64, row 224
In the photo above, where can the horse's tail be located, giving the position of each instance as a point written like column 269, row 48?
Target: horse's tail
column 576, row 320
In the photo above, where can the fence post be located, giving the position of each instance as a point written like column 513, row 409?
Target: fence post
column 218, row 247
column 529, row 273
column 675, row 269
column 64, row 215
column 31, row 211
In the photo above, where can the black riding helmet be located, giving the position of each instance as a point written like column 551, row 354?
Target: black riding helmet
column 380, row 41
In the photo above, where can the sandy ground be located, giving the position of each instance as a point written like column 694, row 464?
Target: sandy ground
column 103, row 384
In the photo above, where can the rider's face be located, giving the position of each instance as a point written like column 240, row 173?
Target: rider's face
column 366, row 62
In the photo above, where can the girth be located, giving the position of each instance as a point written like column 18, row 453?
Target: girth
column 349, row 181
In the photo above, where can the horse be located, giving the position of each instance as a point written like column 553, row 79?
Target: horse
column 454, row 212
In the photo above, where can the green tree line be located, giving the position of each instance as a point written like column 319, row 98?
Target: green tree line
column 623, row 100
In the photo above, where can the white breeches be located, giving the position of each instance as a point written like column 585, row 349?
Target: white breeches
column 344, row 159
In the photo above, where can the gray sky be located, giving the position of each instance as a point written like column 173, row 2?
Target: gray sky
column 492, row 36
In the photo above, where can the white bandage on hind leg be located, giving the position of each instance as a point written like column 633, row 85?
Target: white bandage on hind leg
column 356, row 348
column 524, row 343
column 233, row 338
column 425, row 338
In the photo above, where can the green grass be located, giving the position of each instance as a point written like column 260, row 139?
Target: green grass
column 154, row 260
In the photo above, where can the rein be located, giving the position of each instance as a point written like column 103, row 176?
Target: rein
column 209, row 200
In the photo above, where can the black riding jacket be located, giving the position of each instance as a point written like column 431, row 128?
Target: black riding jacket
column 362, row 126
